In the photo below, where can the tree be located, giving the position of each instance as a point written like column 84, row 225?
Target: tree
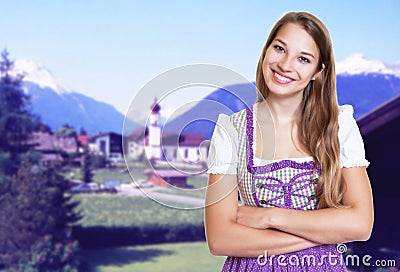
column 34, row 217
column 66, row 131
column 87, row 173
column 83, row 131
column 16, row 121
column 35, row 211
column 43, row 128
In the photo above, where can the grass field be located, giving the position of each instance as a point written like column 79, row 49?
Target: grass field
column 120, row 210
column 193, row 257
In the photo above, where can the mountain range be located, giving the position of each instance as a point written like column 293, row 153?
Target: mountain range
column 364, row 83
column 57, row 104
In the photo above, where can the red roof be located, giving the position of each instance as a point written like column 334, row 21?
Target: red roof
column 82, row 139
column 192, row 139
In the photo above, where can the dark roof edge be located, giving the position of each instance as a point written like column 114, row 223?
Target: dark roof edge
column 379, row 116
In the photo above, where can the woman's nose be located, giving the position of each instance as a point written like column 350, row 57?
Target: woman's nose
column 285, row 63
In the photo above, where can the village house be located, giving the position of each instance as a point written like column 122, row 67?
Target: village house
column 186, row 147
column 83, row 140
column 109, row 145
column 52, row 148
column 136, row 143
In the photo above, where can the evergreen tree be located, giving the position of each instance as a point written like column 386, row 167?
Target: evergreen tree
column 16, row 121
column 87, row 173
column 34, row 210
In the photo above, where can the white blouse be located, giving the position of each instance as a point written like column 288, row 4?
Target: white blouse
column 223, row 154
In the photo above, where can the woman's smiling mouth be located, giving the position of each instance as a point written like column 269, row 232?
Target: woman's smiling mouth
column 281, row 79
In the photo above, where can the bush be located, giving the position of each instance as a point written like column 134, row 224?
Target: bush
column 92, row 237
column 118, row 220
column 50, row 255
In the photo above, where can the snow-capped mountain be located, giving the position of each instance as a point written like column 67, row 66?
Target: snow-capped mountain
column 37, row 74
column 57, row 104
column 365, row 84
column 357, row 64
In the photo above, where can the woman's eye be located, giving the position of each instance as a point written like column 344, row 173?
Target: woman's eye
column 279, row 48
column 304, row 60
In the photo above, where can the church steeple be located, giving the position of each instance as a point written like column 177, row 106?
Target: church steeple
column 154, row 144
column 155, row 113
column 155, row 108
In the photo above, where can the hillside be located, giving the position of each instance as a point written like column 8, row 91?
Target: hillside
column 57, row 104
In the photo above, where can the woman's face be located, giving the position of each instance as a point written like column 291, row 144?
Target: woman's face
column 290, row 61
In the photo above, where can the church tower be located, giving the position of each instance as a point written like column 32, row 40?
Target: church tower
column 154, row 137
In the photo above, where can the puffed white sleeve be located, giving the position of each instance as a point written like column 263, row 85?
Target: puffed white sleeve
column 352, row 152
column 223, row 154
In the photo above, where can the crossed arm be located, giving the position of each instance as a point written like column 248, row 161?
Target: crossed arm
column 249, row 231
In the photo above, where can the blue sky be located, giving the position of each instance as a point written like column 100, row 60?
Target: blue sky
column 109, row 49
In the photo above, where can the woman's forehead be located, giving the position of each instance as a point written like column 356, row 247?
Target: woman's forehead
column 297, row 38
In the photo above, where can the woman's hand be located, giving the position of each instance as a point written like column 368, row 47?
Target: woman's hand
column 254, row 217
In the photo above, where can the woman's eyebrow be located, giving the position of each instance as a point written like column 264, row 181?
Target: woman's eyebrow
column 282, row 42
column 302, row 52
column 308, row 54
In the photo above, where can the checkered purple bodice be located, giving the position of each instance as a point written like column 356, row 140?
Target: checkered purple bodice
column 285, row 184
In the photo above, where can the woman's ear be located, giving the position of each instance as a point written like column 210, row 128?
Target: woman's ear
column 319, row 72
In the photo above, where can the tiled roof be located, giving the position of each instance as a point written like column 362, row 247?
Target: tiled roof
column 45, row 141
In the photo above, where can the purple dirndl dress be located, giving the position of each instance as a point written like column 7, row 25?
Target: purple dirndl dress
column 286, row 184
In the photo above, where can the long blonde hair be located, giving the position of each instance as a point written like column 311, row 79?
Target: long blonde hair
column 318, row 122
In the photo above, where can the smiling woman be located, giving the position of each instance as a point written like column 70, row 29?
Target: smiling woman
column 296, row 158
column 291, row 60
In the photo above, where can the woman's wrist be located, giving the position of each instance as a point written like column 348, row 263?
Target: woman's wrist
column 270, row 217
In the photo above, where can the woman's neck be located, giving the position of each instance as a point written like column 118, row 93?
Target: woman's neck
column 284, row 110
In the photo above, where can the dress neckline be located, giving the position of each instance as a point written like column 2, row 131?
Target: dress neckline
column 274, row 164
column 259, row 162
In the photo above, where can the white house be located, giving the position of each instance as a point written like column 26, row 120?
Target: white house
column 186, row 147
column 110, row 145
